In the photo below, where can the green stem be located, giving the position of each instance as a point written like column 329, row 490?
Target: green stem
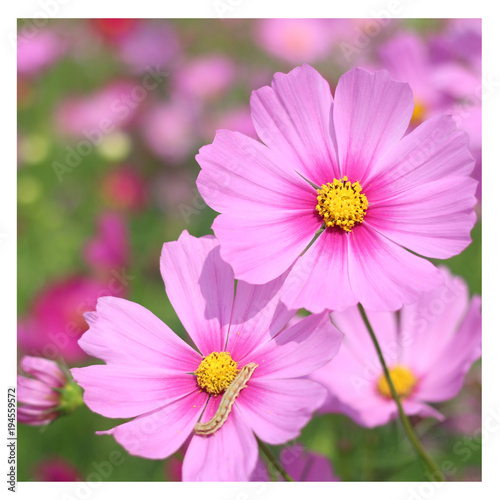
column 417, row 446
column 273, row 461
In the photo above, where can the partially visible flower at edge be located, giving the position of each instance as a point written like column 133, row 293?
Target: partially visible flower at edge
column 47, row 394
column 428, row 352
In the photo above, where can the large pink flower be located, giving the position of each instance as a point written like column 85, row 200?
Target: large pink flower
column 345, row 165
column 428, row 352
column 151, row 374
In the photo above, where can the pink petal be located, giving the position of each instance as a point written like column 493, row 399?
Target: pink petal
column 200, row 287
column 124, row 332
column 298, row 350
column 261, row 247
column 383, row 275
column 160, row 433
column 371, row 114
column 45, row 370
column 433, row 151
column 319, row 280
column 239, row 174
column 295, row 117
column 429, row 325
column 445, row 378
column 124, row 391
column 228, row 455
column 277, row 410
column 358, row 341
column 35, row 393
column 433, row 219
column 257, row 316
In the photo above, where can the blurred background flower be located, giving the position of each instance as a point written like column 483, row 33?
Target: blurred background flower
column 111, row 113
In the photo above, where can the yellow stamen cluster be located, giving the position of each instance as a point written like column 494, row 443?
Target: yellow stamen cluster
column 216, row 372
column 419, row 112
column 403, row 380
column 342, row 204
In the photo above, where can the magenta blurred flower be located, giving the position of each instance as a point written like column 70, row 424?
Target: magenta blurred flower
column 428, row 353
column 55, row 322
column 45, row 395
column 347, row 168
column 297, row 40
column 205, row 77
column 170, row 130
column 56, row 470
column 124, row 189
column 109, row 249
column 106, row 110
column 151, row 374
column 300, row 465
column 149, row 45
column 37, row 52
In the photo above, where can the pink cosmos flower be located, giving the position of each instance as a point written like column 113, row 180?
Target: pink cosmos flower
column 435, row 86
column 345, row 166
column 428, row 352
column 43, row 396
column 109, row 249
column 37, row 52
column 168, row 386
column 300, row 464
column 55, row 322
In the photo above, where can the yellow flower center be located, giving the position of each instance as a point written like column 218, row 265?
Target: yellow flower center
column 419, row 112
column 342, row 204
column 403, row 380
column 216, row 372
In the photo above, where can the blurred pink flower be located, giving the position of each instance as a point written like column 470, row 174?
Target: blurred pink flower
column 154, row 376
column 205, row 77
column 43, row 396
column 106, row 110
column 151, row 44
column 274, row 198
column 56, row 470
column 297, row 40
column 109, row 249
column 461, row 40
column 124, row 189
column 300, row 465
column 55, row 322
column 170, row 130
column 38, row 52
column 428, row 353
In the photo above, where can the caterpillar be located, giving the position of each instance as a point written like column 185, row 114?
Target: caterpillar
column 226, row 402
